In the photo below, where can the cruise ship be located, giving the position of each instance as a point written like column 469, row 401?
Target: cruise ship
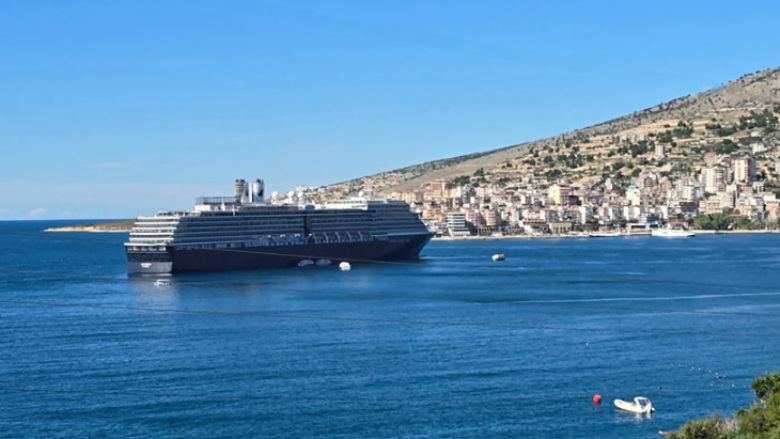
column 245, row 232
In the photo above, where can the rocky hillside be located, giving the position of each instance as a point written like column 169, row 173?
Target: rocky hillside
column 711, row 117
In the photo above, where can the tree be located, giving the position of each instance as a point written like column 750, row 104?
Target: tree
column 713, row 221
column 726, row 131
column 665, row 137
column 766, row 386
column 461, row 180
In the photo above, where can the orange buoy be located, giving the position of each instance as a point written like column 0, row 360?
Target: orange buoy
column 596, row 399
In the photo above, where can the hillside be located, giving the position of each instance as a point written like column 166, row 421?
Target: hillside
column 684, row 125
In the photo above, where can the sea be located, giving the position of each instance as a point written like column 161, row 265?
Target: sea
column 454, row 345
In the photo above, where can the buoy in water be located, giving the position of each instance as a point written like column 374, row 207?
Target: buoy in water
column 596, row 399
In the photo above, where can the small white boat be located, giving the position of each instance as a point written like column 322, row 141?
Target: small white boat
column 162, row 282
column 322, row 262
column 344, row 266
column 498, row 257
column 604, row 234
column 672, row 233
column 640, row 404
column 305, row 263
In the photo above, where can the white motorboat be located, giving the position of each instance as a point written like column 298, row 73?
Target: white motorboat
column 345, row 266
column 162, row 282
column 498, row 257
column 604, row 234
column 672, row 233
column 640, row 404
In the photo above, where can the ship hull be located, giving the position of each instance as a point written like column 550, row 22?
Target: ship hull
column 394, row 248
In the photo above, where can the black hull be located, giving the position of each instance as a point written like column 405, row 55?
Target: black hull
column 395, row 248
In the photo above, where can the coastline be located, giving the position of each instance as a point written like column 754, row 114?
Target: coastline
column 585, row 235
column 90, row 229
column 111, row 226
column 124, row 226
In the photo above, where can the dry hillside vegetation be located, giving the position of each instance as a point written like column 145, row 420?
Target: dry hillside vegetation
column 726, row 119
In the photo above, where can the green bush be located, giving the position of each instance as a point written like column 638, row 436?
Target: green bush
column 757, row 422
column 712, row 428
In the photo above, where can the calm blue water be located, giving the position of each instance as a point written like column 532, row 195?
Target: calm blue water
column 453, row 346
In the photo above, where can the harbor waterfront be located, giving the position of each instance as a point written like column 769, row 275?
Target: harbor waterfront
column 452, row 345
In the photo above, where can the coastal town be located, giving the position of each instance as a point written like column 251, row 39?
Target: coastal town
column 715, row 174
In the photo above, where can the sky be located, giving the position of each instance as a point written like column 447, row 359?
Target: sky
column 118, row 108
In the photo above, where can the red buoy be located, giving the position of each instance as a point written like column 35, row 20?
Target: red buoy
column 596, row 399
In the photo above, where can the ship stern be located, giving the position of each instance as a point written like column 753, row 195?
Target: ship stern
column 139, row 262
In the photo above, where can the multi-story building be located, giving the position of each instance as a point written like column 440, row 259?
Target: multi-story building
column 710, row 205
column 713, row 179
column 632, row 212
column 440, row 189
column 475, row 217
column 559, row 194
column 757, row 147
column 456, row 224
column 634, row 195
column 549, row 214
column 726, row 199
column 492, row 218
column 744, row 169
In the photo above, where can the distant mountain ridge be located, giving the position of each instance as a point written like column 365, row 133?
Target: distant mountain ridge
column 751, row 91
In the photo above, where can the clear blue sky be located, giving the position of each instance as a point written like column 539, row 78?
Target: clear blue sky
column 115, row 108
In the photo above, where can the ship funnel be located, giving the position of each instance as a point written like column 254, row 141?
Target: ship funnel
column 240, row 189
column 257, row 191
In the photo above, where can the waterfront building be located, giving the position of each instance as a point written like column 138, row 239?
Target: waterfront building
column 456, row 224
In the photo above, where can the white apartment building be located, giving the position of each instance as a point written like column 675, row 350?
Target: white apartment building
column 744, row 169
column 456, row 224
